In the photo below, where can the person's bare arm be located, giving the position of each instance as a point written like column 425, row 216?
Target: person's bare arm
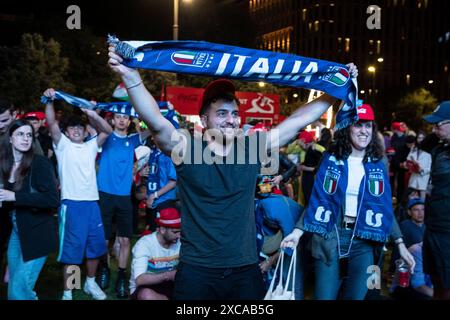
column 53, row 126
column 144, row 135
column 155, row 278
column 165, row 135
column 303, row 116
column 100, row 124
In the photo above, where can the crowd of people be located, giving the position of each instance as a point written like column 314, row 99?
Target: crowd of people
column 218, row 213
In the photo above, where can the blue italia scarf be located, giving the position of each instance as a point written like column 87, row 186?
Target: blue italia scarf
column 153, row 177
column 211, row 59
column 375, row 214
column 114, row 107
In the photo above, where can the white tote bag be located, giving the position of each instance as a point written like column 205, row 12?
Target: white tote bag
column 281, row 291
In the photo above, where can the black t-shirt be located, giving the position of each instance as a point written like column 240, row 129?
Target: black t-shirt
column 412, row 233
column 312, row 157
column 437, row 208
column 217, row 205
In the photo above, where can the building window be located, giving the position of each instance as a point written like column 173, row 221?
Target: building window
column 347, row 44
column 316, row 25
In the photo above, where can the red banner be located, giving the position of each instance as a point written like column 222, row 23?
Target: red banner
column 254, row 105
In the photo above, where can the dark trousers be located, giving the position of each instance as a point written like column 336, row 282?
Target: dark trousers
column 5, row 233
column 201, row 283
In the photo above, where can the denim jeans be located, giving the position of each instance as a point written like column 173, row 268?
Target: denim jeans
column 347, row 274
column 22, row 275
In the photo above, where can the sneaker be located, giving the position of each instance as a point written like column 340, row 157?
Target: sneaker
column 94, row 290
column 121, row 288
column 67, row 296
column 103, row 278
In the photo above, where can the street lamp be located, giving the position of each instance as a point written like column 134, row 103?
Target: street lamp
column 176, row 5
column 372, row 70
column 175, row 19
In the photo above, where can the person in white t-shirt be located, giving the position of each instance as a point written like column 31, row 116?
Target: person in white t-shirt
column 155, row 259
column 80, row 224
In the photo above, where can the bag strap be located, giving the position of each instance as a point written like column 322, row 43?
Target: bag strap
column 292, row 272
column 272, row 283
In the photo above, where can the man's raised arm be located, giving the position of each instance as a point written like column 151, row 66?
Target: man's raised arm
column 53, row 126
column 144, row 103
column 303, row 116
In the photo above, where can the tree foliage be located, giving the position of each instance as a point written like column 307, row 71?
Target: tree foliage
column 413, row 106
column 33, row 66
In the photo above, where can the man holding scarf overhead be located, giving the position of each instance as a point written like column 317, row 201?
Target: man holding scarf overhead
column 218, row 249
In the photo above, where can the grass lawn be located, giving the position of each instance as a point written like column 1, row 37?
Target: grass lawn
column 50, row 282
column 49, row 285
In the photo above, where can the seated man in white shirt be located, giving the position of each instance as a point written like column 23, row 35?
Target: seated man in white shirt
column 155, row 258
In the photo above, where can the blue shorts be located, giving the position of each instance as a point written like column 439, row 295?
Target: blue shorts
column 81, row 232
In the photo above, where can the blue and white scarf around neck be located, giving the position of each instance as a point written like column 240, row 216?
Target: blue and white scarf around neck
column 375, row 213
column 218, row 60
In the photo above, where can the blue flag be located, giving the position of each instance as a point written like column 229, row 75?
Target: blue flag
column 217, row 60
column 114, row 107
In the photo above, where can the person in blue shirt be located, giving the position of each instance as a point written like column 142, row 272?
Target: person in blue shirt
column 413, row 230
column 115, row 177
column 161, row 185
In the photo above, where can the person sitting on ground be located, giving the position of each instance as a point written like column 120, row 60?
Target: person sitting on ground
column 413, row 230
column 155, row 258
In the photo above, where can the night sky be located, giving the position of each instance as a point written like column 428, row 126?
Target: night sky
column 225, row 21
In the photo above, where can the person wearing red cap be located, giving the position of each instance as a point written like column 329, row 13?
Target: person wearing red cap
column 350, row 213
column 155, row 259
column 216, row 188
column 42, row 143
column 398, row 142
